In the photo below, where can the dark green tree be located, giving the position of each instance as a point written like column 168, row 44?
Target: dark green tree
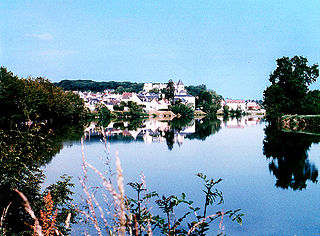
column 104, row 114
column 169, row 91
column 134, row 109
column 23, row 151
column 36, row 99
column 209, row 102
column 312, row 103
column 204, row 128
column 196, row 90
column 289, row 86
column 225, row 110
column 155, row 90
column 12, row 92
column 182, row 110
column 288, row 157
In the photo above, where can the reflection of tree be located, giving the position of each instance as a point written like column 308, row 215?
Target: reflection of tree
column 289, row 158
column 23, row 152
column 205, row 128
column 176, row 125
column 169, row 136
column 133, row 124
column 103, row 122
column 118, row 125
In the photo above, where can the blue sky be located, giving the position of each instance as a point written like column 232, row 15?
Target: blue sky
column 229, row 45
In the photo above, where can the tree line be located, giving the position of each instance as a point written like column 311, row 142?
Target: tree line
column 36, row 99
column 94, row 86
column 289, row 92
column 207, row 100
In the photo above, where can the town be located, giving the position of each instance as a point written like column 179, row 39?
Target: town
column 153, row 101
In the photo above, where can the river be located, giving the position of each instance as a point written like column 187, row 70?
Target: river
column 270, row 175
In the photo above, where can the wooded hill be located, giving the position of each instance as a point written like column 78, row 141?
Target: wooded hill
column 119, row 87
column 90, row 85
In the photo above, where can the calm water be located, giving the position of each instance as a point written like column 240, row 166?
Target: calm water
column 279, row 195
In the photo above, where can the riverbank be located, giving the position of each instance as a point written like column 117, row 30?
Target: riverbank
column 308, row 124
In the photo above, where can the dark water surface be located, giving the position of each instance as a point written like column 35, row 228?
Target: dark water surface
column 271, row 175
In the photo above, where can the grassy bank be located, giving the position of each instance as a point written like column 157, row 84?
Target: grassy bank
column 309, row 124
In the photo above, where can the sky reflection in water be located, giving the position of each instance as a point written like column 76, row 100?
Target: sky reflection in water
column 233, row 151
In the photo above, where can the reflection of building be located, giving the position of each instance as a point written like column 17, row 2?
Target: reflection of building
column 235, row 104
column 151, row 131
column 243, row 105
column 252, row 121
column 156, row 131
column 235, row 123
column 242, row 122
column 179, row 87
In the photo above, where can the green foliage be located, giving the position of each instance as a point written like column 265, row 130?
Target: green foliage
column 155, row 90
column 23, row 151
column 132, row 109
column 311, row 103
column 288, row 92
column 205, row 127
column 182, row 110
column 138, row 209
column 236, row 113
column 90, row 85
column 196, row 90
column 209, row 102
column 225, row 111
column 103, row 113
column 62, row 198
column 119, row 107
column 36, row 99
column 171, row 224
column 169, row 91
column 205, row 97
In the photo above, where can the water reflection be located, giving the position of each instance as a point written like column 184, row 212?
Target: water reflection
column 242, row 122
column 169, row 131
column 23, row 151
column 148, row 131
column 204, row 128
column 288, row 155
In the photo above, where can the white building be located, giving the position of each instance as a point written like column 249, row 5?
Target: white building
column 179, row 87
column 149, row 86
column 235, row 104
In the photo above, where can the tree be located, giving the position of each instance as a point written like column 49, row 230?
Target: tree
column 36, row 99
column 12, row 91
column 196, row 90
column 312, row 102
column 155, row 91
column 209, row 101
column 225, row 110
column 134, row 109
column 205, row 97
column 169, row 91
column 289, row 86
column 182, row 110
column 103, row 112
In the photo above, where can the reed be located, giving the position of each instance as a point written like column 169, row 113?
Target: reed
column 132, row 216
column 117, row 211
column 36, row 227
column 3, row 216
